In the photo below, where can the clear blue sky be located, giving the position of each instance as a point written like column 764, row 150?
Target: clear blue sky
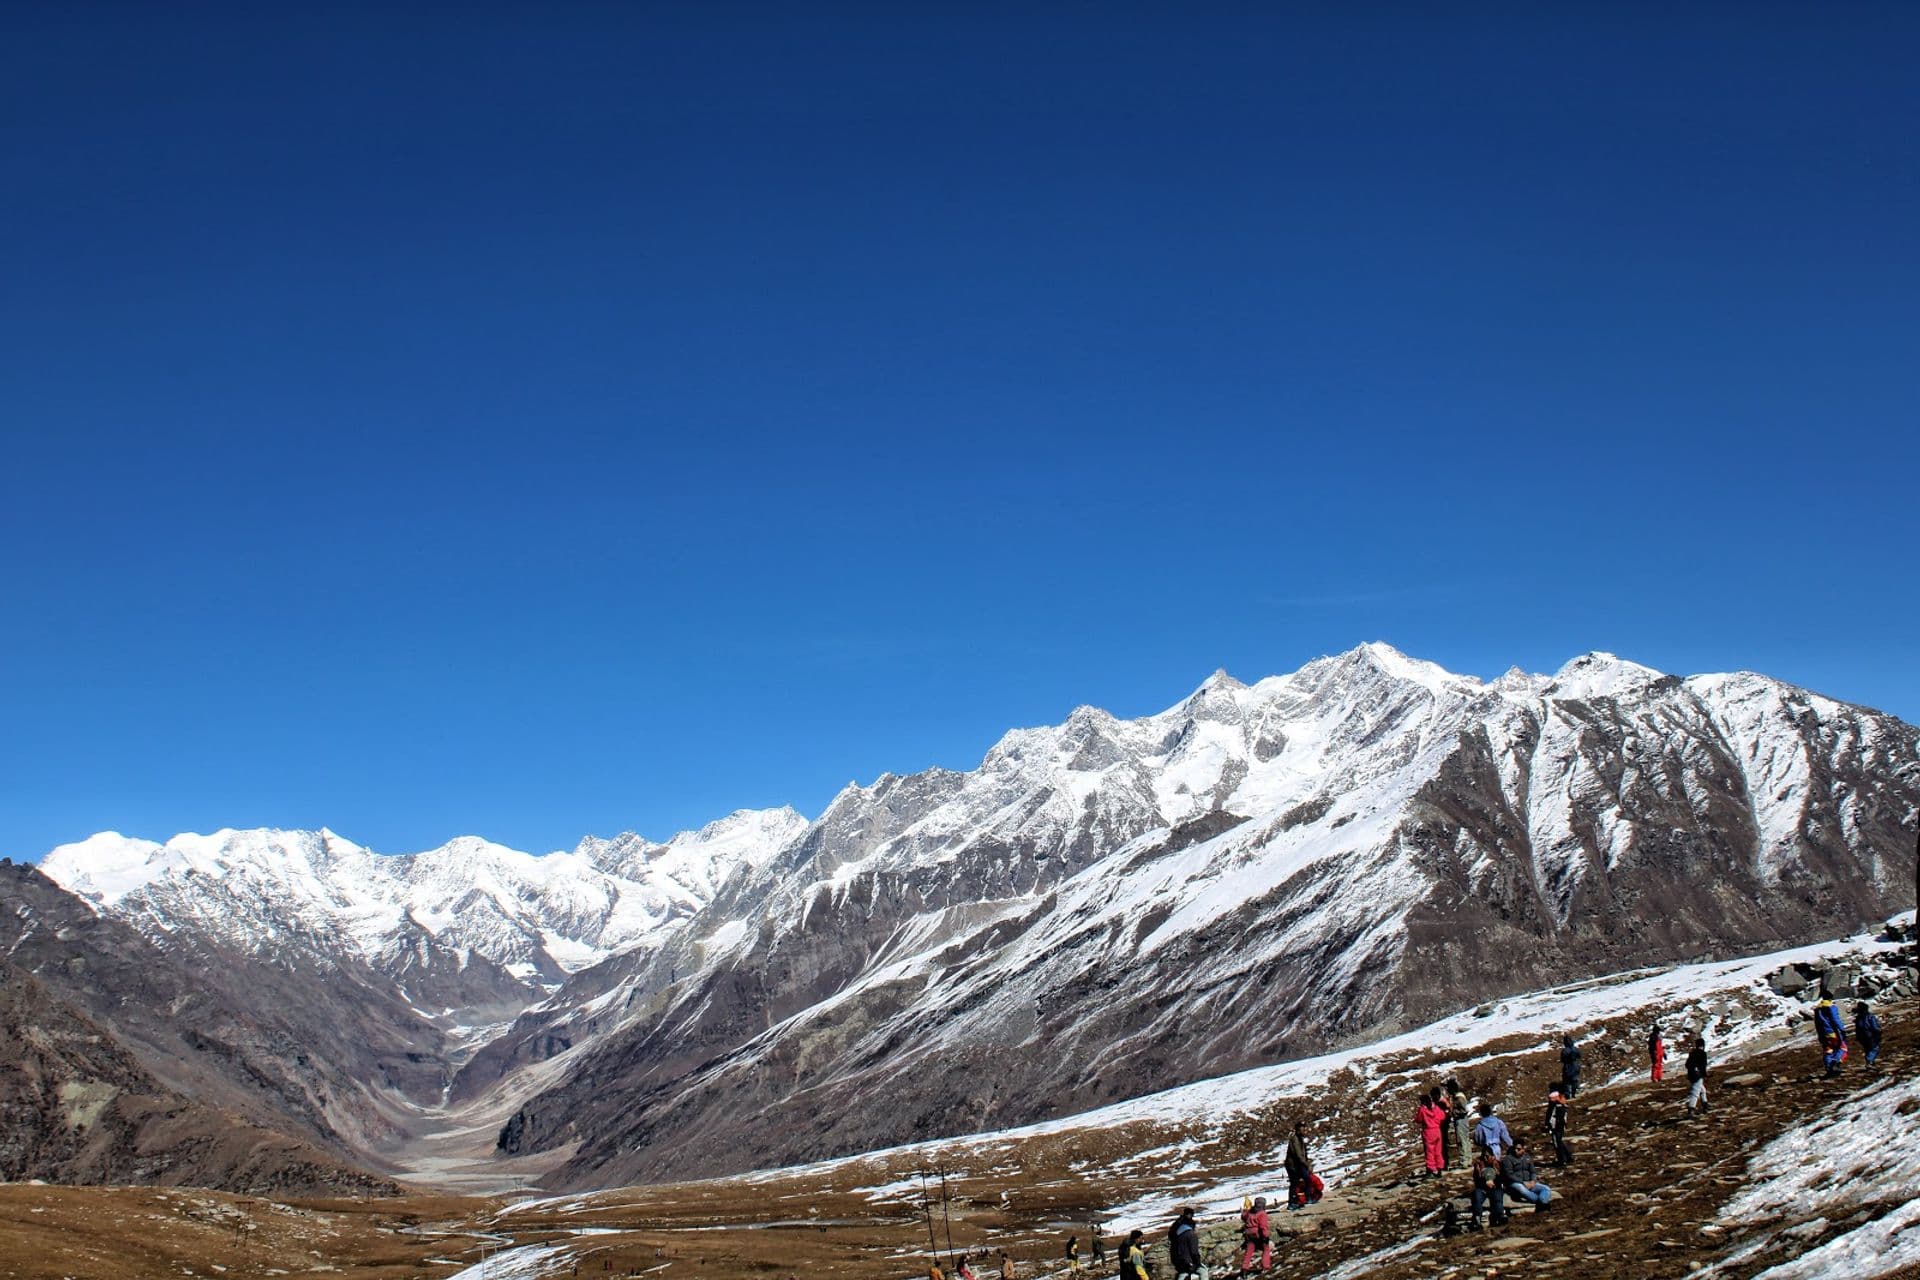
column 540, row 419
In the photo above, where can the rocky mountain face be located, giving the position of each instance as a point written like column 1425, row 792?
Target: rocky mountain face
column 1108, row 907
column 329, row 1059
column 1104, row 907
column 79, row 1103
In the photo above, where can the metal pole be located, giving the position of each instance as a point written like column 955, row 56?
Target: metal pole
column 946, row 1213
column 926, row 1203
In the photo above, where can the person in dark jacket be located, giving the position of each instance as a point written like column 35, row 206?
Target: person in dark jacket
column 1866, row 1029
column 1487, row 1187
column 1556, row 1127
column 1569, row 1066
column 1517, row 1172
column 1299, row 1169
column 1183, row 1246
column 1697, row 1076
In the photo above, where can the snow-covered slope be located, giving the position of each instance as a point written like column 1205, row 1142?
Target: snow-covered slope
column 414, row 917
column 1108, row 906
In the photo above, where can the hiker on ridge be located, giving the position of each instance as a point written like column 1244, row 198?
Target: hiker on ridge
column 1569, row 1066
column 1832, row 1030
column 1491, row 1135
column 1457, row 1116
column 1183, row 1247
column 1866, row 1029
column 1556, row 1127
column 1255, row 1235
column 1431, row 1117
column 1697, row 1075
column 1657, row 1053
column 1300, row 1179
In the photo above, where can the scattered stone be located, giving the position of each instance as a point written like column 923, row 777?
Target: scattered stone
column 1745, row 1080
column 1513, row 1242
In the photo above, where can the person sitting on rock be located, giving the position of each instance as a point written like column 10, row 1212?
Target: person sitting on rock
column 1487, row 1187
column 1866, row 1029
column 1518, row 1176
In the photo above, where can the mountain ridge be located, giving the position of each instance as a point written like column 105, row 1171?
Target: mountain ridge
column 1311, row 858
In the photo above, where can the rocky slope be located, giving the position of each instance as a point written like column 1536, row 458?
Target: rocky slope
column 329, row 1058
column 77, row 1106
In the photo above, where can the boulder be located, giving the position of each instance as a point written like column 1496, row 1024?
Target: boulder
column 1789, row 981
column 1837, row 982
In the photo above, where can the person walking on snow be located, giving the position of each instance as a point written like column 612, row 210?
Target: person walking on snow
column 1556, row 1127
column 1866, row 1029
column 1697, row 1076
column 1657, row 1053
column 1569, row 1066
column 1827, row 1024
column 1491, row 1135
column 1183, row 1247
column 1300, row 1179
column 1516, row 1170
column 1255, row 1235
column 1073, row 1255
column 1431, row 1119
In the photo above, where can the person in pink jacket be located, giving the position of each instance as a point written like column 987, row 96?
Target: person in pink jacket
column 1432, row 1118
column 1256, row 1233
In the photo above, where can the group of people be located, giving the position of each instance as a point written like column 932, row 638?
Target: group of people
column 1831, row 1029
column 1500, row 1162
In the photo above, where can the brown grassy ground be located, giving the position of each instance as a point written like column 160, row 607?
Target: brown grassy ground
column 1634, row 1202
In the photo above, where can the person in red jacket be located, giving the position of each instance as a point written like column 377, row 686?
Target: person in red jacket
column 1657, row 1053
column 1431, row 1116
column 1256, row 1235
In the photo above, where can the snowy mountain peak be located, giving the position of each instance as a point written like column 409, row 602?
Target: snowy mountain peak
column 1600, row 675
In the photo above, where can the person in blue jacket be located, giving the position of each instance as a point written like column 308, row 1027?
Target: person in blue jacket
column 1866, row 1029
column 1832, row 1030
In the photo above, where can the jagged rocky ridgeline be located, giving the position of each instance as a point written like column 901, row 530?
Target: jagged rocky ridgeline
column 1102, row 908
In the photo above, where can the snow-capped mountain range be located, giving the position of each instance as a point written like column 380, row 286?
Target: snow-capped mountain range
column 470, row 900
column 1102, row 908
